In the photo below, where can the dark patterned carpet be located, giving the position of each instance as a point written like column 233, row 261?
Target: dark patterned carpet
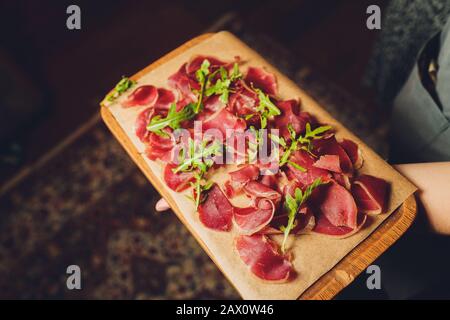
column 90, row 206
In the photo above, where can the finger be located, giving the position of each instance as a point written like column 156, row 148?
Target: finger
column 162, row 205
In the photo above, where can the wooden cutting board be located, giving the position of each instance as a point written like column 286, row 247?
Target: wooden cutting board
column 328, row 284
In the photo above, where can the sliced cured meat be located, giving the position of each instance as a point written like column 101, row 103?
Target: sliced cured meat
column 330, row 146
column 270, row 180
column 165, row 99
column 328, row 162
column 335, row 203
column 216, row 212
column 177, row 181
column 262, row 79
column 258, row 190
column 224, row 120
column 184, row 85
column 141, row 96
column 262, row 256
column 252, row 219
column 370, row 194
column 343, row 179
column 291, row 115
column 213, row 103
column 305, row 222
column 196, row 62
column 353, row 152
column 245, row 174
column 140, row 125
column 306, row 161
column 325, row 227
column 243, row 101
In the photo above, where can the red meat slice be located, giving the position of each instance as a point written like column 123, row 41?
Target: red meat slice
column 335, row 203
column 216, row 212
column 224, row 120
column 324, row 226
column 253, row 219
column 262, row 79
column 141, row 96
column 140, row 125
column 262, row 256
column 165, row 99
column 177, row 181
column 370, row 194
column 330, row 146
column 258, row 190
column 184, row 85
column 307, row 177
column 291, row 115
column 353, row 152
column 328, row 162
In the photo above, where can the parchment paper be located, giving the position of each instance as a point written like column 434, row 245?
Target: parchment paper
column 314, row 255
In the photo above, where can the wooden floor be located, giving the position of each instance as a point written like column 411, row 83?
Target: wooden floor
column 76, row 68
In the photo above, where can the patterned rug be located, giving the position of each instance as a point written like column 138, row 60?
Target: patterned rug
column 90, row 206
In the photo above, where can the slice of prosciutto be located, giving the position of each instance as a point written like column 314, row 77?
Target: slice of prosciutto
column 291, row 115
column 256, row 189
column 325, row 227
column 225, row 123
column 262, row 79
column 306, row 161
column 141, row 96
column 177, row 181
column 165, row 99
column 216, row 212
column 353, row 152
column 370, row 194
column 330, row 146
column 336, row 204
column 263, row 258
column 329, row 162
column 253, row 219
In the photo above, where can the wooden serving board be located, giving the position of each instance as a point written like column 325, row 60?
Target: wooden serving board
column 331, row 282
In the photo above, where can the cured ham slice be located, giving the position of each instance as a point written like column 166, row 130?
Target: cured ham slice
column 258, row 190
column 305, row 223
column 245, row 174
column 140, row 125
column 306, row 161
column 253, row 219
column 330, row 146
column 370, row 194
column 184, row 85
column 336, row 203
column 328, row 162
column 216, row 212
column 177, row 181
column 142, row 96
column 262, row 256
column 325, row 227
column 196, row 62
column 243, row 101
column 353, row 152
column 165, row 99
column 291, row 115
column 262, row 79
column 224, row 120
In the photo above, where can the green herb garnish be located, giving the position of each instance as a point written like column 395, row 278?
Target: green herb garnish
column 172, row 120
column 199, row 160
column 222, row 85
column 299, row 142
column 293, row 204
column 266, row 108
column 123, row 85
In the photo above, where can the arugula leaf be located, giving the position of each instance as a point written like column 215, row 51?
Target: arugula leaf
column 199, row 161
column 301, row 142
column 266, row 108
column 172, row 120
column 202, row 77
column 292, row 205
column 123, row 85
